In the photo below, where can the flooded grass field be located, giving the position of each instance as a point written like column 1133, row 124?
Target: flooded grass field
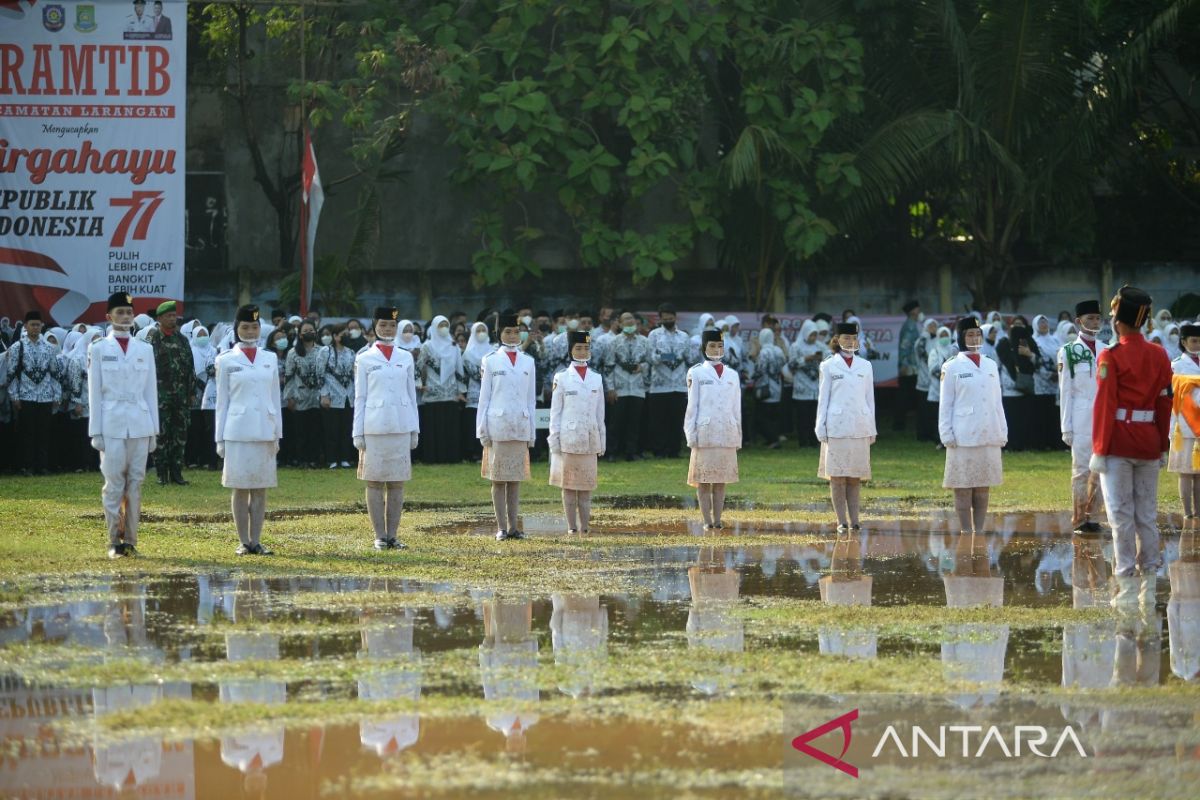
column 649, row 659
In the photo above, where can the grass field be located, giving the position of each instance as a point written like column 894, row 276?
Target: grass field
column 673, row 706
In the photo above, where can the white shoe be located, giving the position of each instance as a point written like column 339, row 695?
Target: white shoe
column 345, row 465
column 333, row 465
column 1147, row 588
column 1127, row 593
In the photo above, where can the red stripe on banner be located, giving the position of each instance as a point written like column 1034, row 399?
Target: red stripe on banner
column 28, row 258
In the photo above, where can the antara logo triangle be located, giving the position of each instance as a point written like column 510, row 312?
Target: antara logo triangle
column 801, row 742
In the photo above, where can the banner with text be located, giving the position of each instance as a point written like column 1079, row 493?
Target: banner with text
column 92, row 101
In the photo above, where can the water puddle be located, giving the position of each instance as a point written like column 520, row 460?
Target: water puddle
column 708, row 623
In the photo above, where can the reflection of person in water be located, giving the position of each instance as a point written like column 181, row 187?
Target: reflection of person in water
column 846, row 585
column 389, row 638
column 975, row 651
column 1088, row 647
column 711, row 625
column 508, row 669
column 1183, row 606
column 579, row 635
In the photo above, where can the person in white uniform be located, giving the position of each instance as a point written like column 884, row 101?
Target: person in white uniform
column 577, row 436
column 1184, row 455
column 504, row 423
column 122, row 421
column 248, row 426
column 386, row 425
column 712, row 426
column 1076, row 398
column 972, row 427
column 846, row 425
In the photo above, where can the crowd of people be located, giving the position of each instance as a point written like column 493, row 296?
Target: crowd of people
column 642, row 362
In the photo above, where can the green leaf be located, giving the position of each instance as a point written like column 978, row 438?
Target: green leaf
column 600, row 180
column 505, row 118
column 500, row 162
column 533, row 103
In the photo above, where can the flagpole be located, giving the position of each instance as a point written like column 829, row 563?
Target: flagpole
column 303, row 149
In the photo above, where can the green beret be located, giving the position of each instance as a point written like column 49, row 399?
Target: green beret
column 164, row 307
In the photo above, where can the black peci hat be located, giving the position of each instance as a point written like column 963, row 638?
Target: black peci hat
column 33, row 316
column 120, row 300
column 1188, row 330
column 910, row 305
column 578, row 337
column 1087, row 307
column 247, row 313
column 387, row 312
column 1131, row 305
column 847, row 329
column 506, row 319
column 709, row 335
column 967, row 323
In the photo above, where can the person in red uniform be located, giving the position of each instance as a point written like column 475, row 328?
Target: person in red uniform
column 1129, row 445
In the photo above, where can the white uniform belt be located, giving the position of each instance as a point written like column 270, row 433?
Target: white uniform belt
column 124, row 397
column 1134, row 415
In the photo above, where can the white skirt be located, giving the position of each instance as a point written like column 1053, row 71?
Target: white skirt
column 505, row 461
column 1184, row 459
column 845, row 458
column 712, row 465
column 972, row 467
column 575, row 471
column 388, row 458
column 249, row 465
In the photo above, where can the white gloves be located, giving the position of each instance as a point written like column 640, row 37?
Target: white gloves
column 153, row 444
column 872, row 440
column 98, row 444
column 1068, row 438
column 555, row 445
column 485, row 441
column 360, row 443
column 415, row 439
column 1098, row 464
column 277, row 447
column 220, row 449
column 949, row 443
column 823, row 439
column 532, row 443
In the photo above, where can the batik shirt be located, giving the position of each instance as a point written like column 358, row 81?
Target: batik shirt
column 339, row 376
column 669, row 353
column 36, row 373
column 621, row 357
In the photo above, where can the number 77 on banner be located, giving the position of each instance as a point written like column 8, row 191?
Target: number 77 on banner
column 142, row 202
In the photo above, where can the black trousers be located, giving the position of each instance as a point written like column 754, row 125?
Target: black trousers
column 472, row 450
column 309, row 441
column 625, row 426
column 666, row 411
column 769, row 418
column 1046, row 435
column 287, row 446
column 805, row 412
column 440, row 432
column 34, row 429
column 1017, row 412
column 927, row 422
column 336, row 429
column 905, row 401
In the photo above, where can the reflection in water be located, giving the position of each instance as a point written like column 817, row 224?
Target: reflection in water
column 508, row 669
column 579, row 635
column 1183, row 606
column 846, row 585
column 388, row 639
column 711, row 624
column 975, row 652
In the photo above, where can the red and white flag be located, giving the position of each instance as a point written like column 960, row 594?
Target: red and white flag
column 312, row 197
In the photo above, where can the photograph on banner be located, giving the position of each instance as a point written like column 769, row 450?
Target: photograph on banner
column 92, row 102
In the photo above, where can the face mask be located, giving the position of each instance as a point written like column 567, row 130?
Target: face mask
column 1173, row 338
column 481, row 337
column 122, row 328
column 524, row 336
column 327, row 340
column 974, row 348
column 527, row 321
column 252, row 342
column 944, row 341
column 405, row 337
column 309, row 338
column 354, row 334
column 573, row 324
column 629, row 330
column 848, row 349
column 712, row 358
column 201, row 341
column 920, row 316
column 444, row 330
column 669, row 325
column 387, row 339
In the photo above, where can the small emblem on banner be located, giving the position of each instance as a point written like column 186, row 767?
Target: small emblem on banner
column 54, row 18
column 85, row 18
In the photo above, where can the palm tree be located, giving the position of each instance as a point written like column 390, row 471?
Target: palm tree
column 1001, row 113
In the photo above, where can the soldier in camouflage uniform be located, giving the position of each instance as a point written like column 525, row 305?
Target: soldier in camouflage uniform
column 173, row 362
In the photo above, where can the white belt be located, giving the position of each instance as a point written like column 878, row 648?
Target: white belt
column 1135, row 415
column 125, row 397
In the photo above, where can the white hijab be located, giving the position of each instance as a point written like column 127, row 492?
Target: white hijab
column 802, row 346
column 947, row 350
column 414, row 344
column 766, row 337
column 1047, row 342
column 997, row 321
column 475, row 350
column 989, row 349
column 200, row 355
column 1173, row 348
column 79, row 348
column 734, row 341
column 1064, row 331
column 442, row 345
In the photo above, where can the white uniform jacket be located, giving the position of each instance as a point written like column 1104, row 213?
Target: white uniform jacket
column 248, row 397
column 970, row 413
column 1077, row 387
column 507, row 398
column 385, row 393
column 846, row 399
column 577, row 412
column 714, row 407
column 122, row 390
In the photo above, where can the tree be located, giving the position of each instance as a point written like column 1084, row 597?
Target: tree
column 594, row 123
column 998, row 114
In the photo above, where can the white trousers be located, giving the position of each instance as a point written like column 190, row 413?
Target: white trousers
column 1131, row 497
column 123, row 465
column 1083, row 480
